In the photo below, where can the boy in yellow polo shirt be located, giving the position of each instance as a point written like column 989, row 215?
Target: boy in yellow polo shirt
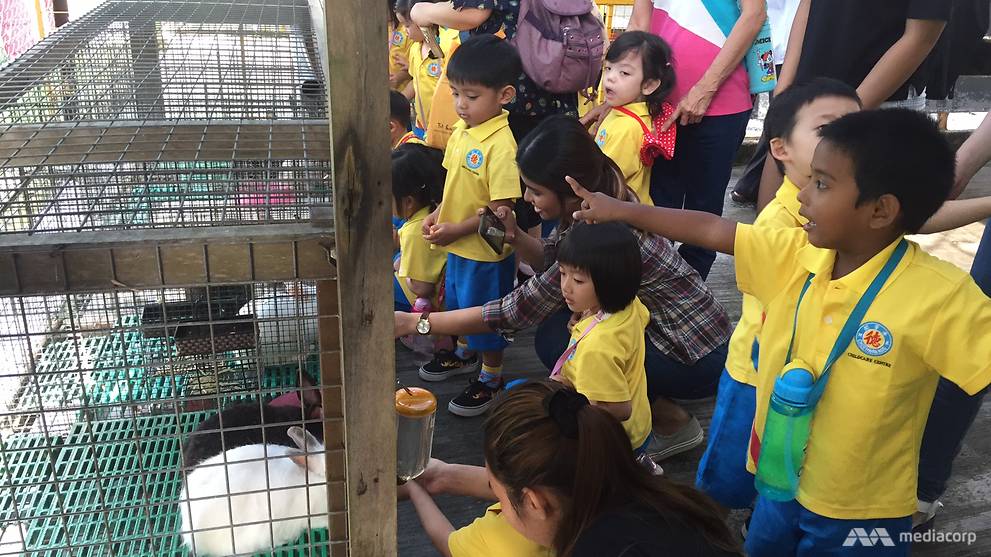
column 481, row 171
column 400, row 121
column 876, row 175
column 792, row 125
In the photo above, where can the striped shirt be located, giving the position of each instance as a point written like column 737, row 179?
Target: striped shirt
column 686, row 321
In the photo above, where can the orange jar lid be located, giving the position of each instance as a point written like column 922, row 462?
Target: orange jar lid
column 414, row 402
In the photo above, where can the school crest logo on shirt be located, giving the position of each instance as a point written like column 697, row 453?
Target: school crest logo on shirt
column 474, row 159
column 600, row 138
column 433, row 69
column 874, row 339
column 396, row 39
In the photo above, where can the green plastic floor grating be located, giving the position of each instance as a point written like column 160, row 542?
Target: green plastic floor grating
column 26, row 466
column 119, row 482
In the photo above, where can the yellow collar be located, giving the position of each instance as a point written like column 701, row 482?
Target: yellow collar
column 484, row 130
column 420, row 215
column 640, row 109
column 402, row 140
column 820, row 261
column 787, row 196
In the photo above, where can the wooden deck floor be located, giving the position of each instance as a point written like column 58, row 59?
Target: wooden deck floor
column 967, row 499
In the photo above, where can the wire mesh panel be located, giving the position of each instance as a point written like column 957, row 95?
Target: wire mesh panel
column 110, row 406
column 149, row 114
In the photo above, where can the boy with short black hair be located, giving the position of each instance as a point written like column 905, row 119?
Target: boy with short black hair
column 876, row 176
column 792, row 126
column 400, row 120
column 481, row 171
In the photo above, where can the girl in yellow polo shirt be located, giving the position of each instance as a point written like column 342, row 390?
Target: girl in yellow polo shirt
column 600, row 275
column 636, row 78
column 417, row 187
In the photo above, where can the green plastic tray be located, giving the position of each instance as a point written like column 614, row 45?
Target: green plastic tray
column 119, row 482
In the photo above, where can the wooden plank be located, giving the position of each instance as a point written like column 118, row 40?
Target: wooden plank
column 357, row 94
column 107, row 260
column 27, row 145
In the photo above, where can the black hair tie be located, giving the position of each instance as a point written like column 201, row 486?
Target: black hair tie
column 563, row 406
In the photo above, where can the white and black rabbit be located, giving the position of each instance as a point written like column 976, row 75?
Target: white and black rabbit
column 253, row 486
column 242, row 424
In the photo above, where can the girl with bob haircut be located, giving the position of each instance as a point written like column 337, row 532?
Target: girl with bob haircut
column 565, row 479
column 600, row 276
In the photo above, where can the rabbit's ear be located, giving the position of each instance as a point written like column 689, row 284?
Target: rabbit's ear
column 315, row 460
column 304, row 439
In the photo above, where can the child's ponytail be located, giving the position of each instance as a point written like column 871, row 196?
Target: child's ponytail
column 656, row 57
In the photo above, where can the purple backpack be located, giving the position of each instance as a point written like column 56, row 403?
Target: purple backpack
column 560, row 43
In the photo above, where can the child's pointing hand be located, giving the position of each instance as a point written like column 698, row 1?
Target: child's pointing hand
column 596, row 206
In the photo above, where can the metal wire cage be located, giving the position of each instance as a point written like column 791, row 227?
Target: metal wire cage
column 146, row 353
column 157, row 114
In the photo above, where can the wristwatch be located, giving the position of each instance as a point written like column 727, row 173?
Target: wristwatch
column 423, row 324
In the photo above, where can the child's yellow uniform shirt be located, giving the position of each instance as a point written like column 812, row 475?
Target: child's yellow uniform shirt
column 426, row 73
column 481, row 167
column 781, row 212
column 491, row 536
column 608, row 365
column 620, row 138
column 399, row 45
column 930, row 319
column 416, row 260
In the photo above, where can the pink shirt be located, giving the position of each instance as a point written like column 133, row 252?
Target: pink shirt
column 695, row 40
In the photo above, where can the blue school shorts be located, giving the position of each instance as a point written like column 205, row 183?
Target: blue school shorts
column 473, row 283
column 722, row 472
column 790, row 530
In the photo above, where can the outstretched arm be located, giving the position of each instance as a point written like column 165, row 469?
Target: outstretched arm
column 972, row 155
column 444, row 13
column 956, row 213
column 437, row 526
column 466, row 321
column 697, row 228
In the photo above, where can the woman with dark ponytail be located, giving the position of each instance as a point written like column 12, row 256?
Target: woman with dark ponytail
column 564, row 476
column 688, row 329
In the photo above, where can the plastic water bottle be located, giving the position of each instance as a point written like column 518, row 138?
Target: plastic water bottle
column 760, row 62
column 786, row 433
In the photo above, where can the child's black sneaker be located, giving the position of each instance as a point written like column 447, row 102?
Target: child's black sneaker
column 447, row 364
column 475, row 400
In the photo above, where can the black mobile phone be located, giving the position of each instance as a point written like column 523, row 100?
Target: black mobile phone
column 491, row 229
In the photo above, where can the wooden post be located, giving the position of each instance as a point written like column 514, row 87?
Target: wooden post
column 359, row 111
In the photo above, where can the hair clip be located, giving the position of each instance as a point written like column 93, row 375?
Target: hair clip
column 563, row 406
